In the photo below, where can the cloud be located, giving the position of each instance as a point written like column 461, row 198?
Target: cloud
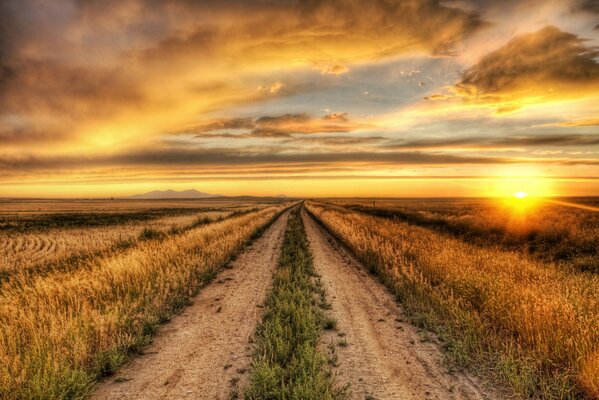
column 13, row 134
column 95, row 67
column 82, row 82
column 281, row 126
column 582, row 122
column 334, row 141
column 334, row 69
column 50, row 87
column 324, row 30
column 152, row 157
column 265, row 162
column 549, row 63
column 497, row 143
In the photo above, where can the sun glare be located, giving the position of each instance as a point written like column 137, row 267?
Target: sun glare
column 520, row 184
column 520, row 195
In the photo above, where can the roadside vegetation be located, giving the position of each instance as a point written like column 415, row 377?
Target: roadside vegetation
column 289, row 363
column 63, row 330
column 519, row 320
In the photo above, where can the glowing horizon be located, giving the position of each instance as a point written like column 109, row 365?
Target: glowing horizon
column 327, row 98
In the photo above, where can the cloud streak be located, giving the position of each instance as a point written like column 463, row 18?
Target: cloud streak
column 489, row 143
column 281, row 126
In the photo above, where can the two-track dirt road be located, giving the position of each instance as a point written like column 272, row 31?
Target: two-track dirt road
column 204, row 352
column 385, row 358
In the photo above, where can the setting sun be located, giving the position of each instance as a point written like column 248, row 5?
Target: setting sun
column 520, row 195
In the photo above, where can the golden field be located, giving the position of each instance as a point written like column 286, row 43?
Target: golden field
column 62, row 328
column 39, row 236
column 38, row 249
column 526, row 320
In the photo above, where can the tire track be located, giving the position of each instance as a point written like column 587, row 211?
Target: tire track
column 204, row 352
column 384, row 357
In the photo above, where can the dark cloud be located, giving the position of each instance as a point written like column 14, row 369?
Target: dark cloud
column 223, row 124
column 341, row 116
column 588, row 5
column 232, row 158
column 340, row 140
column 10, row 135
column 539, row 61
column 51, row 100
column 280, row 126
column 324, row 30
column 10, row 30
column 222, row 156
column 58, row 89
column 497, row 143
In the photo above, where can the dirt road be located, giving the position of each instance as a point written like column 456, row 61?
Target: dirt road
column 385, row 358
column 204, row 352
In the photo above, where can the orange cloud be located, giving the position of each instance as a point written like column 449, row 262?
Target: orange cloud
column 584, row 122
column 103, row 73
column 546, row 64
column 334, row 69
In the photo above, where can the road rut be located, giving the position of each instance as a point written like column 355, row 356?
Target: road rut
column 385, row 357
column 204, row 352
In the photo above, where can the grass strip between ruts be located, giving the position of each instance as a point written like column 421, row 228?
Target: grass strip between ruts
column 288, row 363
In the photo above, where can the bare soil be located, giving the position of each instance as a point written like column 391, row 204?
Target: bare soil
column 204, row 352
column 384, row 357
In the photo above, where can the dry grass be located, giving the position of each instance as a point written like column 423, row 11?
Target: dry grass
column 519, row 320
column 62, row 330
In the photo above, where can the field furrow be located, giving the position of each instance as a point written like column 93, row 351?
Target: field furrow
column 47, row 250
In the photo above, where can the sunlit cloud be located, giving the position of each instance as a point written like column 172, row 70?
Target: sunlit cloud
column 538, row 66
column 583, row 122
column 334, row 69
column 281, row 126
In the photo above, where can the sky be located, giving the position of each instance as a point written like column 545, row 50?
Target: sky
column 304, row 98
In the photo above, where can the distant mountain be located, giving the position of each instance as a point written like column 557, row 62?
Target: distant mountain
column 173, row 194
